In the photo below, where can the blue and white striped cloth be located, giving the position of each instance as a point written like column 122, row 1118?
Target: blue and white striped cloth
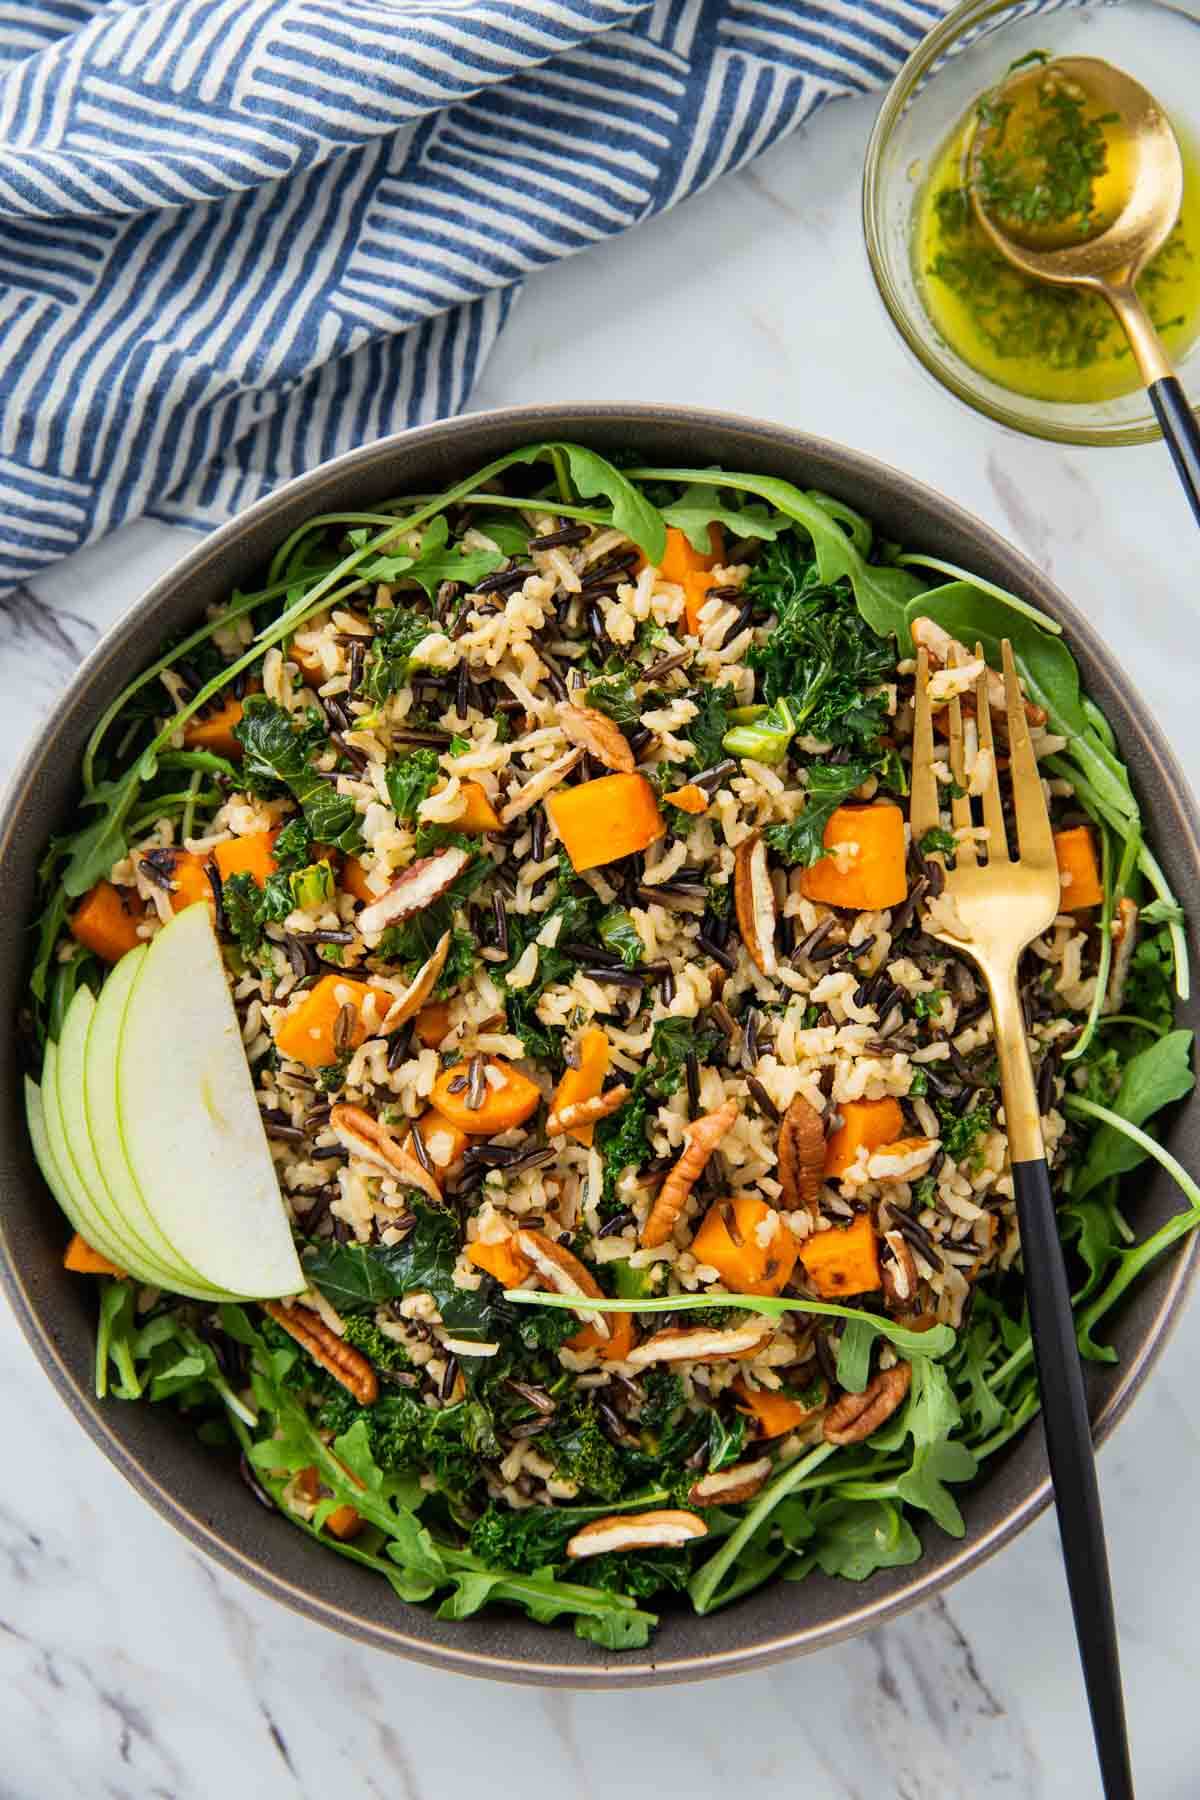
column 238, row 236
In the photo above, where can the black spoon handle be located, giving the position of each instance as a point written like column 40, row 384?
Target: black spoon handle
column 1073, row 1467
column 1179, row 428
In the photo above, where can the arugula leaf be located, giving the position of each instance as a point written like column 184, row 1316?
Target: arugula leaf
column 276, row 754
column 853, row 1538
column 509, row 534
column 411, row 779
column 829, row 785
column 841, row 541
column 931, row 1417
column 937, row 839
column 632, row 513
column 1153, row 1079
column 700, row 506
column 435, row 562
column 1094, row 1226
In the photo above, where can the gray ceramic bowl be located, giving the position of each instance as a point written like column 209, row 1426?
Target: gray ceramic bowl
column 203, row 1497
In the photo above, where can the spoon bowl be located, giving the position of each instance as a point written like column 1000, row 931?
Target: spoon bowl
column 1109, row 261
column 1118, row 252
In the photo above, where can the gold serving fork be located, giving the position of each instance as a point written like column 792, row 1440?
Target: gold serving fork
column 1003, row 902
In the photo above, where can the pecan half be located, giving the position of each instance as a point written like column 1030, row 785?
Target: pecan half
column 1124, row 937
column 636, row 1531
column 801, row 1152
column 421, row 884
column 855, row 1416
column 700, row 1139
column 899, row 1272
column 754, row 903
column 375, row 1143
column 418, row 990
column 701, row 1343
column 727, row 1487
column 586, row 1112
column 564, row 1273
column 342, row 1360
column 537, row 786
column 596, row 734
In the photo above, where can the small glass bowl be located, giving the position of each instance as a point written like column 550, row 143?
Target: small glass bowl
column 960, row 59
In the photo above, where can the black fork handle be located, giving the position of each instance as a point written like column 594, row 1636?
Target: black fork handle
column 1182, row 434
column 1073, row 1469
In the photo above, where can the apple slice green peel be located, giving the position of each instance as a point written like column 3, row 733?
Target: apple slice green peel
column 189, row 1120
column 147, row 1130
column 136, row 1221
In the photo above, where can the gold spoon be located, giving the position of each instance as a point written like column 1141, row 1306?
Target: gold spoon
column 1110, row 261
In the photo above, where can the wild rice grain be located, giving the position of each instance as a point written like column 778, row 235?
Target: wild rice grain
column 476, row 1084
column 727, row 962
column 344, row 1028
column 215, row 883
column 691, row 1067
column 763, row 1100
column 503, row 581
column 559, row 540
column 420, row 1152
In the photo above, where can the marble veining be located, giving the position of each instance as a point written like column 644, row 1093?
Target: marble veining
column 130, row 1667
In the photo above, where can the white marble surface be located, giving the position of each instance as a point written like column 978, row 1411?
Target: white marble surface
column 130, row 1667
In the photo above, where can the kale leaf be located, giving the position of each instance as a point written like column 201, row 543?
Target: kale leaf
column 357, row 1276
column 618, row 933
column 276, row 753
column 615, row 696
column 962, row 1131
column 389, row 665
column 821, row 655
column 829, row 786
column 410, row 780
column 708, row 728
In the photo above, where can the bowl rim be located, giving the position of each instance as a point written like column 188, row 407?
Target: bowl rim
column 904, row 86
column 188, row 1518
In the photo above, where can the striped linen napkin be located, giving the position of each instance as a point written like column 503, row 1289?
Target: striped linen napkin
column 239, row 236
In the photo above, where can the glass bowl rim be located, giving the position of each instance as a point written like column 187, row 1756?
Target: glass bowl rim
column 960, row 19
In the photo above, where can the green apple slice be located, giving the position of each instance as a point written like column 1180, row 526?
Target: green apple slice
column 190, row 1122
column 82, row 1222
column 137, row 1224
column 68, row 1093
column 57, row 1165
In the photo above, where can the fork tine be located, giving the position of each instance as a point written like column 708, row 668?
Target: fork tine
column 923, row 811
column 1029, row 801
column 993, row 811
column 960, row 807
